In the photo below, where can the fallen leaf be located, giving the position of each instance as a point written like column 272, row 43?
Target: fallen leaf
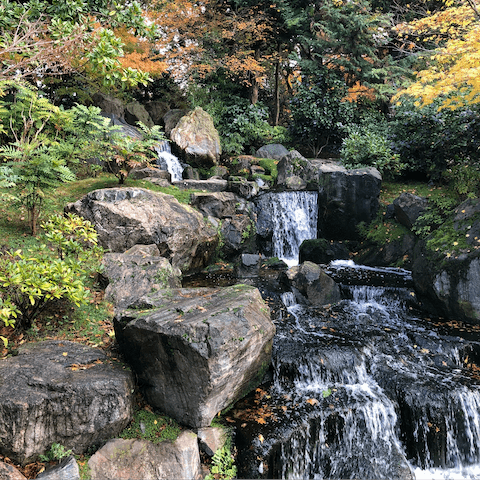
column 312, row 401
column 260, row 437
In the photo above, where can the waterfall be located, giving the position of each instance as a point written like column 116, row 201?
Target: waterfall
column 294, row 219
column 167, row 161
column 367, row 389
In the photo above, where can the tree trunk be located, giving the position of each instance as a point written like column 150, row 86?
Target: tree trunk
column 276, row 113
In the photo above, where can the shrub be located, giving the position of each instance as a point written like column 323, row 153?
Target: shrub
column 244, row 127
column 364, row 147
column 30, row 282
column 430, row 140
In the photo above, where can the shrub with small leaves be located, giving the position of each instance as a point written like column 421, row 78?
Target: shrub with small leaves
column 32, row 281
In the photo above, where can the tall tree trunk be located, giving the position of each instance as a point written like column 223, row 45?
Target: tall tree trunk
column 276, row 113
column 255, row 85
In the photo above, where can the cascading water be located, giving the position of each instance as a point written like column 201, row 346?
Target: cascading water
column 293, row 218
column 366, row 389
column 167, row 161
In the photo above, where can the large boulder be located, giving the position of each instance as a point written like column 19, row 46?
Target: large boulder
column 157, row 110
column 7, row 472
column 137, row 272
column 311, row 285
column 275, row 151
column 320, row 250
column 141, row 459
column 295, row 172
column 346, row 198
column 196, row 351
column 135, row 112
column 61, row 392
column 408, row 208
column 450, row 283
column 171, row 119
column 218, row 204
column 197, row 139
column 109, row 105
column 124, row 217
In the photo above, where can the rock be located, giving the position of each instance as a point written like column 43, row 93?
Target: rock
column 211, row 439
column 408, row 208
column 197, row 138
column 275, row 151
column 346, row 198
column 219, row 171
column 396, row 252
column 248, row 265
column 148, row 172
column 61, row 392
column 135, row 112
column 171, row 119
column 257, row 170
column 161, row 182
column 67, row 469
column 195, row 351
column 211, row 185
column 238, row 235
column 217, row 204
column 7, row 472
column 124, row 217
column 157, row 110
column 131, row 275
column 190, row 173
column 322, row 251
column 141, row 459
column 311, row 285
column 450, row 284
column 295, row 172
column 109, row 105
column 242, row 187
column 124, row 128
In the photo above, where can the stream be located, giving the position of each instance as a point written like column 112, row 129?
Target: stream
column 365, row 388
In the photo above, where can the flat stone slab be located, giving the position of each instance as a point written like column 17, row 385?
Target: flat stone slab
column 208, row 185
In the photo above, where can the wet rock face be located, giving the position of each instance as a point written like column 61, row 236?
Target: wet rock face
column 195, row 351
column 124, row 217
column 61, row 392
column 346, row 198
column 311, row 285
column 360, row 387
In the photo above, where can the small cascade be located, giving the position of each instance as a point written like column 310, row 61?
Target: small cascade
column 167, row 161
column 366, row 389
column 294, row 219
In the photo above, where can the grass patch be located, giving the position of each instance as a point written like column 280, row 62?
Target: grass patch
column 151, row 426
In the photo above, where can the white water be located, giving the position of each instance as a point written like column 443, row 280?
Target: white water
column 166, row 158
column 294, row 217
column 371, row 422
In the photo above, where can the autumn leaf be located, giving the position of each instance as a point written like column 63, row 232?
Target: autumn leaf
column 312, row 401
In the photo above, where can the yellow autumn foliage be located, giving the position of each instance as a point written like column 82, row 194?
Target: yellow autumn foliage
column 453, row 68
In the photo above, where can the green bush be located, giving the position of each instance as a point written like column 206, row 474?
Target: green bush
column 30, row 282
column 243, row 127
column 430, row 140
column 365, row 147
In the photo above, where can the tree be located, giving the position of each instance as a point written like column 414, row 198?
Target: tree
column 41, row 39
column 450, row 66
